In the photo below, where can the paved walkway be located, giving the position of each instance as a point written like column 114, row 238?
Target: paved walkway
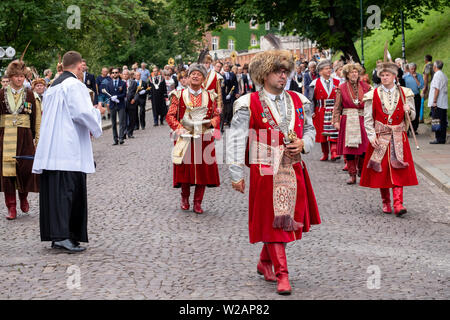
column 433, row 160
column 142, row 246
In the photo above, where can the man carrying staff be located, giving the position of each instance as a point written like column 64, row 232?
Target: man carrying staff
column 279, row 128
column 18, row 128
column 388, row 162
column 64, row 157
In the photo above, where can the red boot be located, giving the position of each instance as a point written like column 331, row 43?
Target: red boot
column 325, row 151
column 360, row 163
column 185, row 192
column 351, row 171
column 265, row 265
column 345, row 168
column 333, row 148
column 24, row 205
column 278, row 256
column 386, row 197
column 10, row 201
column 397, row 194
column 198, row 197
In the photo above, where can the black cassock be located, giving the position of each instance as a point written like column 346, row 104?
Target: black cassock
column 158, row 95
column 63, row 206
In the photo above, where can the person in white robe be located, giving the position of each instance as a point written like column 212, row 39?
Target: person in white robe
column 64, row 157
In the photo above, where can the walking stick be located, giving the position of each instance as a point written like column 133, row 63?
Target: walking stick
column 409, row 119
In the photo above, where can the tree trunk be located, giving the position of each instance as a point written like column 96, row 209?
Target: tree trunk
column 349, row 51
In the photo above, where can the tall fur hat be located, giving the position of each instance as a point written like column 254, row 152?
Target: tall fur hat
column 16, row 68
column 36, row 81
column 323, row 63
column 270, row 61
column 197, row 67
column 349, row 67
column 387, row 65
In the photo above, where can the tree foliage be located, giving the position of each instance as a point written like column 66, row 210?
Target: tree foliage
column 112, row 32
column 331, row 23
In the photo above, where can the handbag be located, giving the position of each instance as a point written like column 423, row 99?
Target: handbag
column 435, row 125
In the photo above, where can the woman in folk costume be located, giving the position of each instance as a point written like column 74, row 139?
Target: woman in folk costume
column 388, row 162
column 193, row 116
column 279, row 128
column 348, row 118
column 323, row 94
column 18, row 128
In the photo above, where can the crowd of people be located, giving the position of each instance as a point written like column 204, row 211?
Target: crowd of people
column 276, row 109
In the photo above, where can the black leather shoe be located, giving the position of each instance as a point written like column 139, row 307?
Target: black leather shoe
column 436, row 142
column 121, row 141
column 115, row 143
column 155, row 125
column 131, row 137
column 67, row 245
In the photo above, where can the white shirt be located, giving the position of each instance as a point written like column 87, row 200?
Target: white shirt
column 67, row 121
column 440, row 82
column 195, row 93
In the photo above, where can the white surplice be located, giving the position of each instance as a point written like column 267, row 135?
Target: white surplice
column 67, row 121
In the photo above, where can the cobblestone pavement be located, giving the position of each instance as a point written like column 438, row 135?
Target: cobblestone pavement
column 142, row 246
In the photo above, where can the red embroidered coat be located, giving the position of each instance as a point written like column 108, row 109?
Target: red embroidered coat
column 391, row 174
column 261, row 198
column 319, row 96
column 199, row 165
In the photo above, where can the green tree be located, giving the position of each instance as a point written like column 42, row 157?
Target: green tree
column 331, row 23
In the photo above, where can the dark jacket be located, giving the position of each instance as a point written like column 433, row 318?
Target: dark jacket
column 228, row 84
column 120, row 91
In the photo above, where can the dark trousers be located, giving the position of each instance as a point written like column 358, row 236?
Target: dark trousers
column 140, row 112
column 227, row 114
column 122, row 123
column 63, row 206
column 441, row 114
column 131, row 112
column 417, row 102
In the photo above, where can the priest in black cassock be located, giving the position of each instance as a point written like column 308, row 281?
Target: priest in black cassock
column 158, row 96
column 64, row 157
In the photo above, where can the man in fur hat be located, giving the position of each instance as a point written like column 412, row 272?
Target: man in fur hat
column 388, row 162
column 193, row 116
column 279, row 128
column 323, row 94
column 18, row 128
column 213, row 81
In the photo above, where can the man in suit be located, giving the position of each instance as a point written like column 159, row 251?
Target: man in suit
column 118, row 90
column 141, row 98
column 130, row 102
column 230, row 92
column 89, row 81
column 158, row 95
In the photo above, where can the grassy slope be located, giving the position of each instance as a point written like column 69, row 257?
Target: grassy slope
column 430, row 37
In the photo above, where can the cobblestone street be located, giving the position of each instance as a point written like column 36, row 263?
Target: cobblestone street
column 142, row 246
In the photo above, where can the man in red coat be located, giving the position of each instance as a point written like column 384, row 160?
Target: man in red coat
column 388, row 162
column 323, row 94
column 193, row 116
column 279, row 128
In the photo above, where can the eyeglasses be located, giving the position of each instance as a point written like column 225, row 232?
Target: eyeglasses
column 114, row 72
column 282, row 71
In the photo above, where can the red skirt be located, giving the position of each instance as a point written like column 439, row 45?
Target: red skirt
column 201, row 169
column 261, row 213
column 389, row 177
column 342, row 149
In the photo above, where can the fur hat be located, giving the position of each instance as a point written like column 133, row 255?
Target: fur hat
column 16, row 68
column 37, row 81
column 349, row 67
column 387, row 67
column 270, row 61
column 323, row 63
column 197, row 67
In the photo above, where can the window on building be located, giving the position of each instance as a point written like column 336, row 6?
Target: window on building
column 231, row 44
column 231, row 24
column 280, row 26
column 267, row 26
column 253, row 42
column 215, row 43
column 253, row 24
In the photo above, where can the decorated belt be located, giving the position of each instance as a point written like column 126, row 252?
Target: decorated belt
column 15, row 120
column 347, row 111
